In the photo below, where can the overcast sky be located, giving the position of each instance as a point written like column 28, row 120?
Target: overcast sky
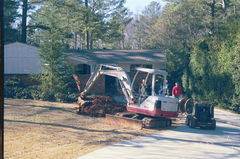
column 136, row 6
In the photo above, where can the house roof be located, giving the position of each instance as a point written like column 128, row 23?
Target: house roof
column 19, row 45
column 117, row 57
column 20, row 58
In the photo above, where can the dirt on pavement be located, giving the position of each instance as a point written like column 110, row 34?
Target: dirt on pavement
column 40, row 129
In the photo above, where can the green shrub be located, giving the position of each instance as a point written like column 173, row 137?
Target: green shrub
column 16, row 87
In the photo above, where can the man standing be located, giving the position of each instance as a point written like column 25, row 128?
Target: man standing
column 177, row 90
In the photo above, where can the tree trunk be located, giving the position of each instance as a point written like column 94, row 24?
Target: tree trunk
column 91, row 40
column 213, row 4
column 75, row 41
column 87, row 21
column 1, row 82
column 123, row 40
column 24, row 21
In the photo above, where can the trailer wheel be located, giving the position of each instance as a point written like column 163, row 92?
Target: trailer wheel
column 187, row 121
column 192, row 123
column 189, row 106
column 168, row 123
column 213, row 126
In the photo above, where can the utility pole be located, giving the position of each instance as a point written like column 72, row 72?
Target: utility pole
column 24, row 21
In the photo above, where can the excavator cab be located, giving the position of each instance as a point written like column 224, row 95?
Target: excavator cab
column 156, row 103
column 150, row 84
column 154, row 81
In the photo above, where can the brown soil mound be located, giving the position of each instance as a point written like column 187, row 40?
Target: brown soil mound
column 99, row 106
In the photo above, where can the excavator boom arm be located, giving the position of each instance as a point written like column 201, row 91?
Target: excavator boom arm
column 113, row 71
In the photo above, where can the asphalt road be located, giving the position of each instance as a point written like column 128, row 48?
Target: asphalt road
column 181, row 143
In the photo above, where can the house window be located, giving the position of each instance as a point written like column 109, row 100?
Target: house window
column 82, row 69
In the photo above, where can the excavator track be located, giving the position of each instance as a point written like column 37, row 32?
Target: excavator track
column 135, row 121
column 156, row 123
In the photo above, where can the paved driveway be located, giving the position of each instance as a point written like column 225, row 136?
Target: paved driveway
column 181, row 143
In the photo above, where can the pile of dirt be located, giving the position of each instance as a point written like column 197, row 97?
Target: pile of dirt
column 99, row 106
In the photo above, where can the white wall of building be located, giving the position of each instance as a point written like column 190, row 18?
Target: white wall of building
column 21, row 58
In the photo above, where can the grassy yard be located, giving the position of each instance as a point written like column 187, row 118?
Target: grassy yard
column 39, row 129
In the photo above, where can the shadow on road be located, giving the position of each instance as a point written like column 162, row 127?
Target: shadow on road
column 235, row 144
column 220, row 130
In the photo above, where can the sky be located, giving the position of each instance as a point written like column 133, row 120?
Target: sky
column 136, row 6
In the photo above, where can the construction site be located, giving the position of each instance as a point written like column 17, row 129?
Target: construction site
column 120, row 79
column 135, row 106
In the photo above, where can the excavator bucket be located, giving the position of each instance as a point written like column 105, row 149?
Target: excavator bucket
column 123, row 122
column 127, row 121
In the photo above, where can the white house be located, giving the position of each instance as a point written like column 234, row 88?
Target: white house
column 20, row 58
